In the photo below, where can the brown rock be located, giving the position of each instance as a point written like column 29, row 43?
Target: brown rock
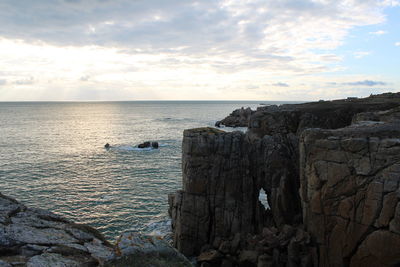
column 248, row 257
column 212, row 256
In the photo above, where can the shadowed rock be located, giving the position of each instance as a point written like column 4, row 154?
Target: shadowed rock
column 224, row 172
column 36, row 237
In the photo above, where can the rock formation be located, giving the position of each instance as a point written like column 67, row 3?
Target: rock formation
column 39, row 238
column 224, row 172
column 148, row 144
column 238, row 118
column 350, row 190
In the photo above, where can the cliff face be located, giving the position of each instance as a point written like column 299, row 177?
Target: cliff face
column 350, row 191
column 224, row 172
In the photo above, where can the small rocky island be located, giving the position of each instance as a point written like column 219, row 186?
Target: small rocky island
column 331, row 171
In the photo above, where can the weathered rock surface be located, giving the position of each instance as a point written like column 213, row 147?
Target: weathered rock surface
column 36, row 237
column 39, row 238
column 224, row 172
column 238, row 118
column 350, row 191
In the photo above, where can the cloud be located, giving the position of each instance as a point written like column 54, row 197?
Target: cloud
column 361, row 54
column 166, row 48
column 3, row 82
column 390, row 3
column 280, row 84
column 359, row 83
column 397, row 44
column 260, row 33
column 85, row 78
column 380, row 32
column 26, row 81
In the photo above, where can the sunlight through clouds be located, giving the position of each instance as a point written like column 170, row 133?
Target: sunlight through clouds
column 151, row 49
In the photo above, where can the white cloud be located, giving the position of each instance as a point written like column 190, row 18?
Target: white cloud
column 361, row 54
column 165, row 49
column 397, row 44
column 280, row 84
column 380, row 32
column 390, row 3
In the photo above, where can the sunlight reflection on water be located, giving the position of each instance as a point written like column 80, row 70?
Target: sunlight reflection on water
column 52, row 156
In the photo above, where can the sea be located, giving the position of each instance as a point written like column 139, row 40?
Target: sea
column 52, row 156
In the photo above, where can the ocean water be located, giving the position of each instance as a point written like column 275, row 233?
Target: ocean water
column 52, row 156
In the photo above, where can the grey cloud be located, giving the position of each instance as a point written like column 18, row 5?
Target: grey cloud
column 26, row 81
column 198, row 24
column 3, row 82
column 229, row 29
column 281, row 84
column 359, row 83
column 85, row 78
column 366, row 83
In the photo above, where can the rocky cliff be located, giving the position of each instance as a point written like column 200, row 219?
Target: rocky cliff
column 350, row 190
column 223, row 174
column 39, row 238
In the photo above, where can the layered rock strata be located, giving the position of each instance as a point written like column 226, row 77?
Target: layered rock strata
column 35, row 237
column 224, row 172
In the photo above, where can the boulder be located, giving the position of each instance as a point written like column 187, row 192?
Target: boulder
column 154, row 145
column 144, row 145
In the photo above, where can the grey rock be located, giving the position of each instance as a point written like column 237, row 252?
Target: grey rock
column 315, row 167
column 4, row 264
column 51, row 260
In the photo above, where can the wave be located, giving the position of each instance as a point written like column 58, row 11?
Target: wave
column 160, row 226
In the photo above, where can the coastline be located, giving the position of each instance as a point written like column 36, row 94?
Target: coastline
column 313, row 160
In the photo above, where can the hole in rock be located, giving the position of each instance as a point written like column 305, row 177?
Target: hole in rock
column 263, row 198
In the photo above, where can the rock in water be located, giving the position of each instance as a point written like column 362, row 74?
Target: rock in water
column 107, row 145
column 144, row 145
column 154, row 145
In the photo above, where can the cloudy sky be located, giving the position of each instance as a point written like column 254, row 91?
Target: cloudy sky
column 198, row 50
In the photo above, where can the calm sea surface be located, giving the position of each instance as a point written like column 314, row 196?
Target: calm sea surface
column 52, row 156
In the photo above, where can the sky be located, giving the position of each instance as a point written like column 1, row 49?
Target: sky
column 71, row 50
